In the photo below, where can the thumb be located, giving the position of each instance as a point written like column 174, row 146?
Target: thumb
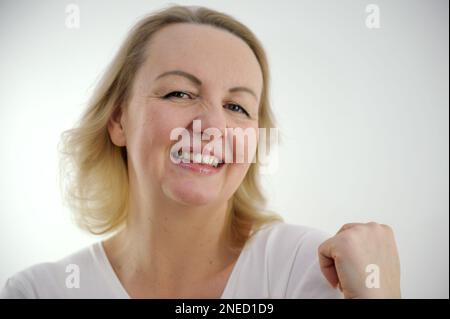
column 326, row 263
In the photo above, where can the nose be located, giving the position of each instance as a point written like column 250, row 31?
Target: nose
column 213, row 124
column 212, row 117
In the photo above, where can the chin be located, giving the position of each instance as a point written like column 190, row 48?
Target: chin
column 191, row 196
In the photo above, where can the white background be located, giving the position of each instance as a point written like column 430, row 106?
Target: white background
column 363, row 113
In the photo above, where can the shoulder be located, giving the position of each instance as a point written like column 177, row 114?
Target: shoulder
column 290, row 255
column 285, row 231
column 282, row 238
column 49, row 279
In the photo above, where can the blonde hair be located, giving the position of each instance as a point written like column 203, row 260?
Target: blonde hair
column 93, row 170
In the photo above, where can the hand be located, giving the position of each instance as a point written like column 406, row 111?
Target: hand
column 345, row 258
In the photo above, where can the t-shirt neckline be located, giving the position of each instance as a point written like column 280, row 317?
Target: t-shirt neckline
column 114, row 280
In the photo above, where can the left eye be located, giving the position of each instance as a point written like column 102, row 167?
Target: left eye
column 177, row 94
column 233, row 107
column 237, row 108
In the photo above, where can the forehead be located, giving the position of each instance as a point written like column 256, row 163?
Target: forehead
column 210, row 53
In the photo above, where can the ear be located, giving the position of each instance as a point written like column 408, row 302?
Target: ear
column 116, row 127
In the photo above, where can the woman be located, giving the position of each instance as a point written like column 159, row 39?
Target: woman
column 186, row 230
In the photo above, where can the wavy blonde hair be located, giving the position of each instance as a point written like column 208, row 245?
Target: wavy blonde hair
column 93, row 170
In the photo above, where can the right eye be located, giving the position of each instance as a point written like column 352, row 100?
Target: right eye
column 177, row 94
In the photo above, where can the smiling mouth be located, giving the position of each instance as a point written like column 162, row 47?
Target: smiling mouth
column 198, row 158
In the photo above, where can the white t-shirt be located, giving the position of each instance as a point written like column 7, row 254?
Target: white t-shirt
column 280, row 261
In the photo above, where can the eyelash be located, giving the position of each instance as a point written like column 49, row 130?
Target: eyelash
column 241, row 108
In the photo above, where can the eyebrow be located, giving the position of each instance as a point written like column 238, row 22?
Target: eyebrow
column 197, row 82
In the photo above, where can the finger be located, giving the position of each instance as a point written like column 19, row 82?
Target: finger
column 348, row 226
column 326, row 263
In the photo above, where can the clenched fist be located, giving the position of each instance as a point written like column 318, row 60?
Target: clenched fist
column 362, row 260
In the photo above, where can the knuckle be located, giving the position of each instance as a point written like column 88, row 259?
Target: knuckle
column 388, row 229
column 345, row 226
column 373, row 225
column 376, row 228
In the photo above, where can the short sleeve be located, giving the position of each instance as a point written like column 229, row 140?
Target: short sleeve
column 306, row 280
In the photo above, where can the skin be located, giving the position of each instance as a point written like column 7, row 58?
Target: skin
column 344, row 258
column 174, row 245
column 174, row 240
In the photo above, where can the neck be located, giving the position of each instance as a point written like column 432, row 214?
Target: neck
column 169, row 244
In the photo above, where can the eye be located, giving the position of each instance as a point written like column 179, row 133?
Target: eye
column 237, row 108
column 177, row 94
column 233, row 107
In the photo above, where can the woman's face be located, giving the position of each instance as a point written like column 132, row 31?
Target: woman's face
column 219, row 61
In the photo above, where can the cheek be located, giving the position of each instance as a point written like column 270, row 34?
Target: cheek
column 235, row 175
column 150, row 134
column 244, row 144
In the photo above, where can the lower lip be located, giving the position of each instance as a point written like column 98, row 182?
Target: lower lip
column 200, row 168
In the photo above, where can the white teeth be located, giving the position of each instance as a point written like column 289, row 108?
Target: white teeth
column 198, row 158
